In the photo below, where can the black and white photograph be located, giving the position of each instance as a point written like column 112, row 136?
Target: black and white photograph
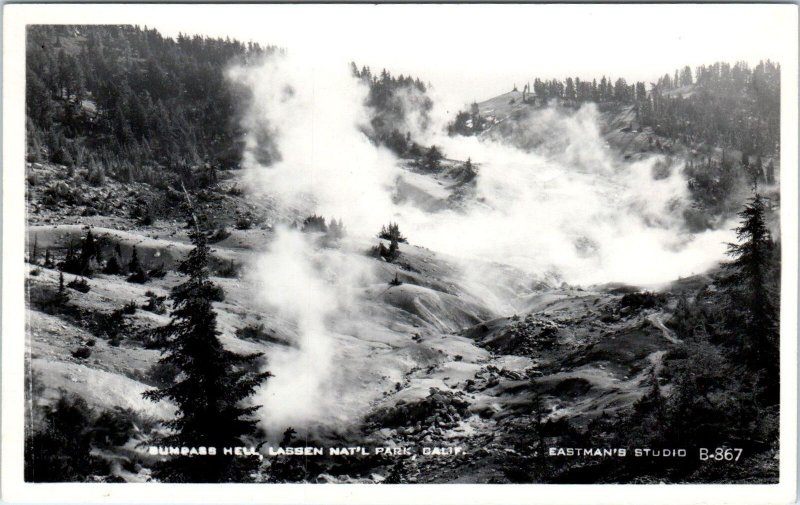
column 401, row 244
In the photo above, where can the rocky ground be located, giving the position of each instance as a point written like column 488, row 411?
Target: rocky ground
column 430, row 365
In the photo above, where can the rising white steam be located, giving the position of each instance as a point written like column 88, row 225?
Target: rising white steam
column 310, row 287
column 292, row 284
column 319, row 159
column 306, row 149
column 552, row 198
column 572, row 206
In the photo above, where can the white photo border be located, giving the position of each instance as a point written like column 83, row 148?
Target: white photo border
column 14, row 489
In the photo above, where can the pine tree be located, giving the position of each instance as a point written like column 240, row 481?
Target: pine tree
column 134, row 265
column 62, row 297
column 686, row 76
column 212, row 384
column 112, row 266
column 749, row 286
column 137, row 272
column 88, row 251
column 469, row 170
column 394, row 249
column 569, row 94
column 288, row 436
column 71, row 263
column 770, row 172
column 433, row 158
column 35, row 251
column 540, row 465
column 686, row 319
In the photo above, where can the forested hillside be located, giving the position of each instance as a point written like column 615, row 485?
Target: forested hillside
column 127, row 102
column 728, row 106
column 395, row 101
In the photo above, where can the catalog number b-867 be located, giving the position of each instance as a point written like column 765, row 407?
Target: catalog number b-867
column 720, row 454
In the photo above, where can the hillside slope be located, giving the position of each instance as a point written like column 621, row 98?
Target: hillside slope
column 577, row 351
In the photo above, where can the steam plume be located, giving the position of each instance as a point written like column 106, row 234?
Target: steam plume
column 552, row 199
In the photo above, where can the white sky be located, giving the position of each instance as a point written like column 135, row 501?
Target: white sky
column 474, row 52
column 479, row 51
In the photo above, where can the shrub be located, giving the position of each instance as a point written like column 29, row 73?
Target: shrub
column 158, row 272
column 392, row 232
column 79, row 284
column 62, row 156
column 219, row 235
column 258, row 332
column 60, row 193
column 145, row 218
column 155, row 303
column 90, row 210
column 60, row 450
column 138, row 276
column 433, row 158
column 82, row 352
column 129, row 308
column 47, row 299
column 96, row 175
column 228, row 270
column 217, row 294
column 161, row 374
column 142, row 213
column 113, row 427
column 390, row 253
column 243, row 223
column 109, row 325
column 59, row 447
column 641, row 300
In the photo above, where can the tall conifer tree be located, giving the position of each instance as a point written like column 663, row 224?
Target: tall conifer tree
column 751, row 287
column 212, row 384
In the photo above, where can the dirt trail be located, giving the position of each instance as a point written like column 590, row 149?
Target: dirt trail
column 657, row 320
